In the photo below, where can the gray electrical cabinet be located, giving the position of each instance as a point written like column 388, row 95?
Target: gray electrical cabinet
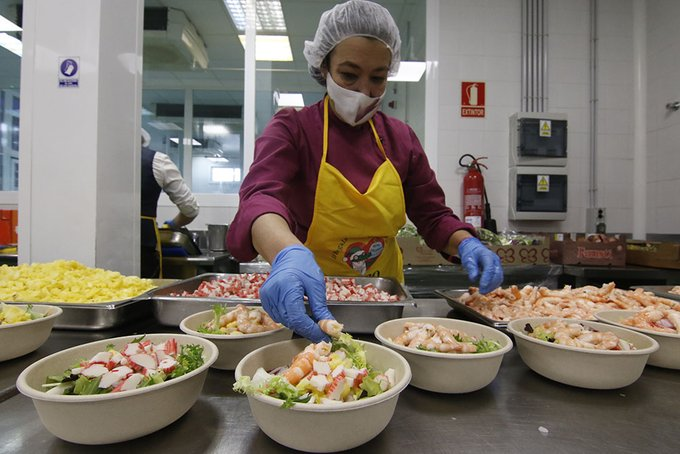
column 538, row 160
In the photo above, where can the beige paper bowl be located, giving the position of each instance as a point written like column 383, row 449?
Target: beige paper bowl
column 448, row 372
column 583, row 367
column 323, row 427
column 18, row 339
column 111, row 418
column 232, row 347
column 668, row 354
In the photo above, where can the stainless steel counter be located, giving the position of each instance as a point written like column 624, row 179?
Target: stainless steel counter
column 519, row 412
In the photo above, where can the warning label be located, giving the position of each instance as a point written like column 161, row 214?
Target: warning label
column 542, row 183
column 545, row 128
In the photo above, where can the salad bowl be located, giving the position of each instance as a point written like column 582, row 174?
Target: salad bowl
column 232, row 347
column 668, row 355
column 21, row 338
column 452, row 373
column 336, row 426
column 583, row 367
column 128, row 414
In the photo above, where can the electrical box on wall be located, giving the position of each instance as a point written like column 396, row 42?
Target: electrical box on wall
column 538, row 139
column 538, row 193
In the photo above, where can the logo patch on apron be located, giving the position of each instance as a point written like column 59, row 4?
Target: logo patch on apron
column 360, row 256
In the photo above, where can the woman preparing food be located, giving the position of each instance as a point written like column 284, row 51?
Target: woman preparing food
column 332, row 184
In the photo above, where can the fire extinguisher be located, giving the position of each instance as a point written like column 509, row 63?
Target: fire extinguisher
column 476, row 208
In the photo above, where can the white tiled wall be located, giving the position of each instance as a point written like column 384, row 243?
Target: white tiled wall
column 480, row 41
column 663, row 138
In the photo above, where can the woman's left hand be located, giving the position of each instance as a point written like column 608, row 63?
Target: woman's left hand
column 476, row 257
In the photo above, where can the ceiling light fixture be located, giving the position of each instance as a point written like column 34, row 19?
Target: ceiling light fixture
column 165, row 126
column 186, row 141
column 7, row 25
column 269, row 15
column 289, row 99
column 409, row 71
column 212, row 129
column 270, row 47
column 11, row 43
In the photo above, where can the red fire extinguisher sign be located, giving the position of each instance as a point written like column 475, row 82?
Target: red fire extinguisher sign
column 472, row 99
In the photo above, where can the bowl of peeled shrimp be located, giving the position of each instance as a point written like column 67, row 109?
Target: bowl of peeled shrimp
column 236, row 331
column 582, row 353
column 661, row 324
column 344, row 392
column 446, row 355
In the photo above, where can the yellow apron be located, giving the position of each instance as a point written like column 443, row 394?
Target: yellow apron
column 354, row 234
column 159, row 249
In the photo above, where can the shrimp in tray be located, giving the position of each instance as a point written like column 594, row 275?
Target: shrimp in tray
column 323, row 373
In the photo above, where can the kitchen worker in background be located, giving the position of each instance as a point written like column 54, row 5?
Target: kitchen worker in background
column 332, row 184
column 159, row 173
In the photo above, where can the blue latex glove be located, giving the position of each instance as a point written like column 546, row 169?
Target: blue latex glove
column 295, row 274
column 170, row 223
column 474, row 256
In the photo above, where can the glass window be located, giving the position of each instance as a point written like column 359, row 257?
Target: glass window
column 163, row 119
column 10, row 77
column 218, row 150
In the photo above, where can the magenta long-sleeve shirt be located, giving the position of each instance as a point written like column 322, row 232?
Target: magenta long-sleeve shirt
column 283, row 176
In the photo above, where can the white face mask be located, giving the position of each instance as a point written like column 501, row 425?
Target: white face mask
column 353, row 107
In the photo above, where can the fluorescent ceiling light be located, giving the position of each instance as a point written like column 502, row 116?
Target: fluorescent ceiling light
column 11, row 43
column 165, row 126
column 289, row 99
column 186, row 141
column 269, row 15
column 212, row 129
column 270, row 47
column 146, row 111
column 8, row 26
column 409, row 71
column 217, row 159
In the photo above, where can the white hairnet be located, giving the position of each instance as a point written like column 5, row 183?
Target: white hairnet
column 146, row 138
column 352, row 18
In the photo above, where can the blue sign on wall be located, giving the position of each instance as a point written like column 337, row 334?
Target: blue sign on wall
column 69, row 68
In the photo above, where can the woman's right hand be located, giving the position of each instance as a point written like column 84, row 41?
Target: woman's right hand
column 295, row 274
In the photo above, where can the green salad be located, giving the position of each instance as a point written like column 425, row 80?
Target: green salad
column 140, row 363
column 322, row 373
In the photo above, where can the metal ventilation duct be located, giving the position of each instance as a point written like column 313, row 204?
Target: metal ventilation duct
column 534, row 56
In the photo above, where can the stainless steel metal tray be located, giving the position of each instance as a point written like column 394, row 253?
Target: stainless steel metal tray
column 452, row 297
column 96, row 316
column 100, row 316
column 660, row 290
column 357, row 316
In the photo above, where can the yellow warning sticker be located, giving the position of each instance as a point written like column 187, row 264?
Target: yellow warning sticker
column 542, row 183
column 545, row 128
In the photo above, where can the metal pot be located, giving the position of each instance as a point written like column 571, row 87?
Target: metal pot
column 217, row 237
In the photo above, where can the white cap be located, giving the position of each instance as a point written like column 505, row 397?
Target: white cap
column 352, row 18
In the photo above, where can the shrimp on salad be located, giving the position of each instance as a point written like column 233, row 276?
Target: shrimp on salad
column 323, row 373
column 575, row 334
column 239, row 320
column 656, row 319
column 426, row 336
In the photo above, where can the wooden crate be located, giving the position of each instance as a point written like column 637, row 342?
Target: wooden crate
column 568, row 249
column 653, row 254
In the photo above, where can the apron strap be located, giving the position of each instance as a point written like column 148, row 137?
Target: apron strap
column 159, row 249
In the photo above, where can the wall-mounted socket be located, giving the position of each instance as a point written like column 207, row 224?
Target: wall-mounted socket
column 596, row 220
